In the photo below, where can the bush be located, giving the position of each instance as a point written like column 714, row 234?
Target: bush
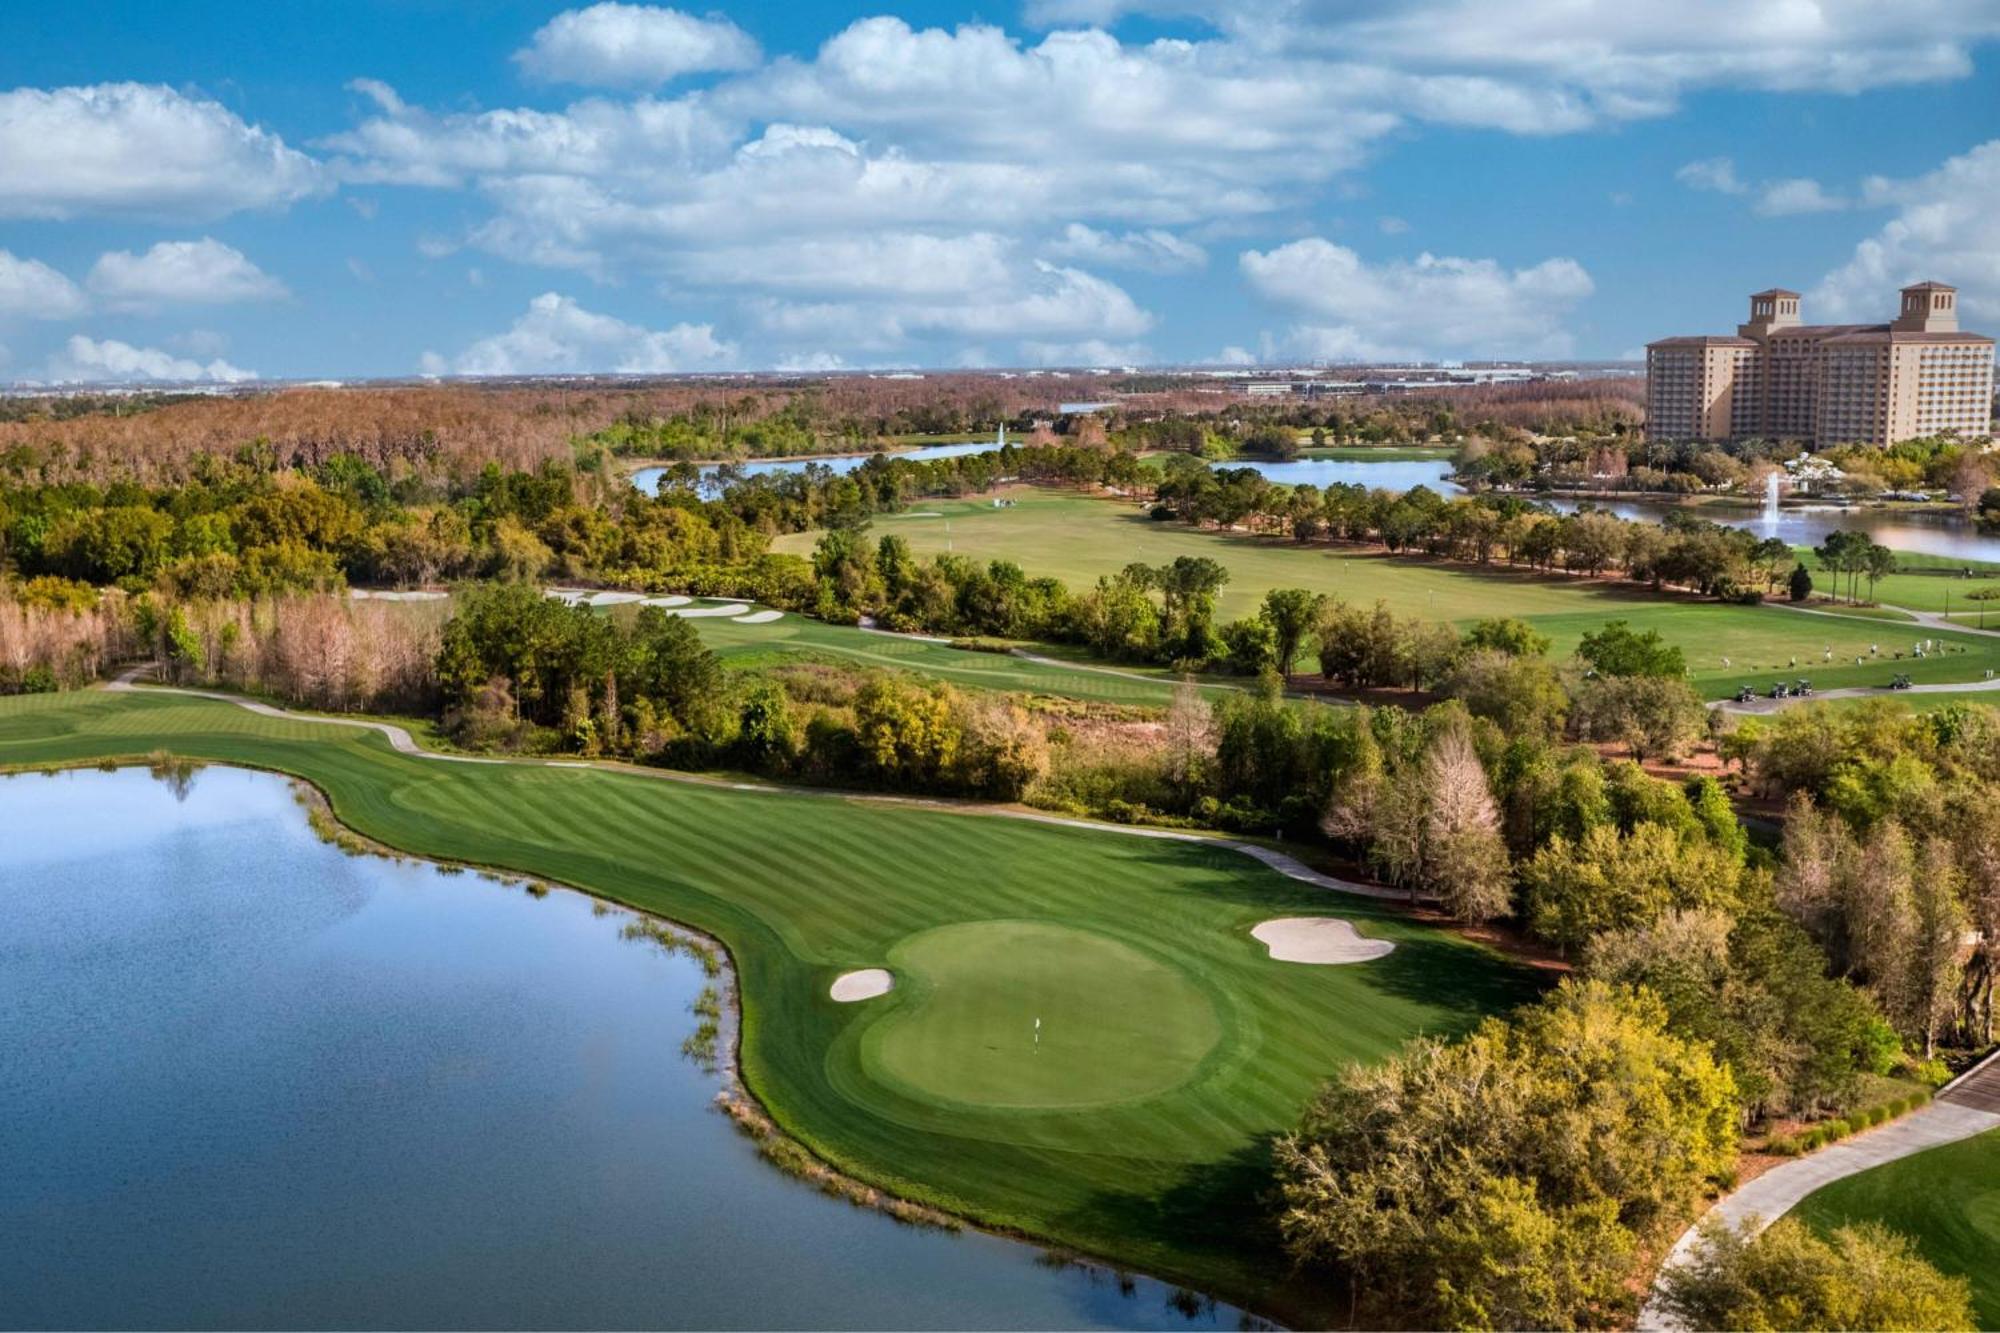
column 1784, row 1145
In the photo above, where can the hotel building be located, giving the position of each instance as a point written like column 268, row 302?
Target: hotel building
column 1778, row 379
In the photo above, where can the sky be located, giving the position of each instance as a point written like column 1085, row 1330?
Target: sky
column 232, row 190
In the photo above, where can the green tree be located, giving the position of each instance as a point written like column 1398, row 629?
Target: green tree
column 1292, row 614
column 1619, row 650
column 1859, row 1277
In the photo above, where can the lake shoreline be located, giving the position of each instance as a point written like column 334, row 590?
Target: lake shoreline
column 748, row 1110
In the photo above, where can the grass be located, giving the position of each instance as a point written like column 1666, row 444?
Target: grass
column 797, row 638
column 1947, row 1200
column 1161, row 1163
column 1078, row 538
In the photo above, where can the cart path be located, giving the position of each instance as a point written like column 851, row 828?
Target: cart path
column 403, row 742
column 1968, row 1105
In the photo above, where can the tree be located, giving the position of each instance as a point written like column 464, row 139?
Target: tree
column 1521, row 695
column 1618, row 650
column 1292, row 613
column 1858, row 1277
column 1937, row 940
column 1800, row 586
column 1464, row 859
column 1505, row 634
column 1655, row 715
column 1437, row 1183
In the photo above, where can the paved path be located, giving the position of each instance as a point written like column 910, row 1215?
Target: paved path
column 1967, row 1106
column 402, row 741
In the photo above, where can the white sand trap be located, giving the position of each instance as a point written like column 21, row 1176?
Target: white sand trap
column 1317, row 939
column 919, row 513
column 866, row 984
column 760, row 617
column 733, row 609
column 672, row 599
column 393, row 595
column 611, row 598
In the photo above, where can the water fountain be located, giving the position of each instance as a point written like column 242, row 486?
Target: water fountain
column 1770, row 499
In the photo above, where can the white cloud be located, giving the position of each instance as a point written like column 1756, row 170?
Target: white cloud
column 1946, row 227
column 1090, row 352
column 808, row 363
column 1233, row 355
column 139, row 149
column 1430, row 306
column 1610, row 58
column 1153, row 250
column 203, row 272
column 1717, row 174
column 1783, row 198
column 634, row 45
column 556, row 334
column 89, row 360
column 30, row 289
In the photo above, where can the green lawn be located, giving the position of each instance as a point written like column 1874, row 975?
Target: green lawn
column 1174, row 1048
column 798, row 638
column 1078, row 538
column 1947, row 1200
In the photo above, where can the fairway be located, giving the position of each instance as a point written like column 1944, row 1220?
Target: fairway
column 1078, row 539
column 1019, row 1013
column 1177, row 1049
column 1946, row 1200
column 796, row 638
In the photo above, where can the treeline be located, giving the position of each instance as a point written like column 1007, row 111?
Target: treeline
column 1686, row 551
column 1622, row 461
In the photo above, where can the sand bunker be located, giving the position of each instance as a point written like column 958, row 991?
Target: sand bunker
column 392, row 595
column 760, row 617
column 866, row 984
column 1317, row 939
column 732, row 609
column 672, row 599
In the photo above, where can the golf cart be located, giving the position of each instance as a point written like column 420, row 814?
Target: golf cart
column 1901, row 682
column 1744, row 694
column 1803, row 689
column 1779, row 690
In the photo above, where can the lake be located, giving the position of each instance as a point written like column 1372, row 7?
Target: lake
column 249, row 1081
column 647, row 479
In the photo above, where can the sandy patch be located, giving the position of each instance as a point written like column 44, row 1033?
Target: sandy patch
column 393, row 595
column 760, row 617
column 611, row 598
column 1317, row 939
column 672, row 599
column 733, row 609
column 918, row 513
column 866, row 984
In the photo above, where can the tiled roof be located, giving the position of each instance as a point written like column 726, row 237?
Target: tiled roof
column 1705, row 340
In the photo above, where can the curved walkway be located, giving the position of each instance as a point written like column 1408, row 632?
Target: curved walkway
column 402, row 741
column 1964, row 1107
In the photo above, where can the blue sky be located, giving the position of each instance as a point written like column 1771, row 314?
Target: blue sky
column 383, row 188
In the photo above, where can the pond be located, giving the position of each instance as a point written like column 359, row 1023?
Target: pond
column 249, row 1081
column 647, row 479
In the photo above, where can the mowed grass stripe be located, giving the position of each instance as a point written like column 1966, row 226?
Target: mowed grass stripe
column 1168, row 1182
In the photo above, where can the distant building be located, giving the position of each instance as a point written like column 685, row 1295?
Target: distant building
column 1824, row 383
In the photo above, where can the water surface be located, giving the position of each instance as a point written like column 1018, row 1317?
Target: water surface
column 247, row 1081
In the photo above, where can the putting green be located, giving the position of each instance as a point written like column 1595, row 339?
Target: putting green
column 1116, row 1025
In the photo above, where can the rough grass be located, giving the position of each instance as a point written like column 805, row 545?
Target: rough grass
column 803, row 887
column 1078, row 538
column 1947, row 1200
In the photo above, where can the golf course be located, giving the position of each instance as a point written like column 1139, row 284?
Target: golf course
column 1083, row 1042
column 1946, row 1200
column 1079, row 539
